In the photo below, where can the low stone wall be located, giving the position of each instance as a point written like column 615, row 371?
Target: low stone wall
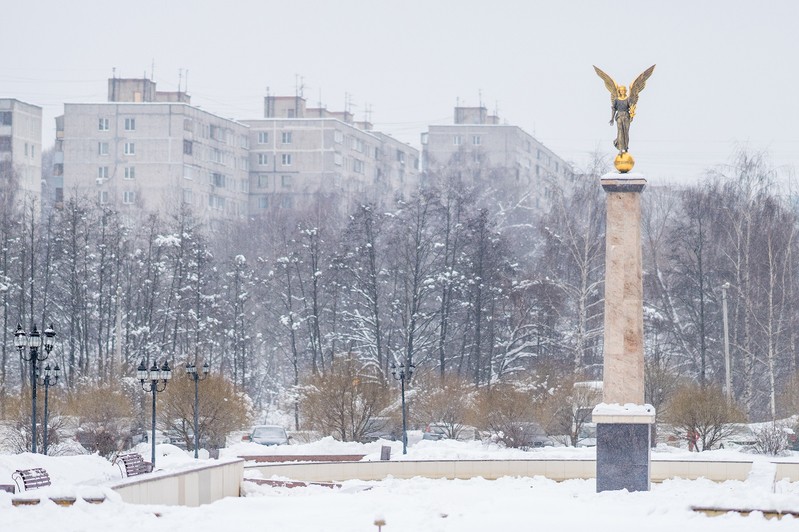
column 210, row 482
column 192, row 486
column 492, row 469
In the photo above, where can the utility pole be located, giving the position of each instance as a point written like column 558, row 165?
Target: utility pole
column 728, row 377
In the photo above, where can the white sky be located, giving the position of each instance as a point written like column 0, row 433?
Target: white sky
column 726, row 73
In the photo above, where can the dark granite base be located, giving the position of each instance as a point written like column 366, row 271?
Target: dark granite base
column 622, row 456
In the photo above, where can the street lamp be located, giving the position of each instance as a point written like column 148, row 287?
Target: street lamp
column 34, row 342
column 401, row 374
column 153, row 381
column 191, row 371
column 724, row 288
column 49, row 378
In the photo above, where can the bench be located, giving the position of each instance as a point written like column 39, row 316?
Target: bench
column 29, row 479
column 132, row 464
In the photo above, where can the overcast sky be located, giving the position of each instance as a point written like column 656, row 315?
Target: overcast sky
column 726, row 77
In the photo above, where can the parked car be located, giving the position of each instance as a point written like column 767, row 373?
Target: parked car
column 269, row 435
column 586, row 437
column 381, row 428
column 526, row 435
column 450, row 431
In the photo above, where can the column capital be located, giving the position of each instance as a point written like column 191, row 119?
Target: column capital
column 614, row 182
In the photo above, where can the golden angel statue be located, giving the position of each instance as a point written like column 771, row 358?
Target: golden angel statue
column 623, row 105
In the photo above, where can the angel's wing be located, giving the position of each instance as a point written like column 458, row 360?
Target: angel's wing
column 609, row 83
column 638, row 85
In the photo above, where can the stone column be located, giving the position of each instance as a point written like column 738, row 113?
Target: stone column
column 623, row 420
column 624, row 292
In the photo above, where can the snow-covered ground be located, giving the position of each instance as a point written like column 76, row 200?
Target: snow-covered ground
column 511, row 503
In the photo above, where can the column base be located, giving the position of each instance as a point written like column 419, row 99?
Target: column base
column 623, row 459
column 623, row 436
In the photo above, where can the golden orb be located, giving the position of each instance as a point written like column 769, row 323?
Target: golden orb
column 624, row 162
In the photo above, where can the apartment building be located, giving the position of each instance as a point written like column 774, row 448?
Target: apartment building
column 21, row 150
column 146, row 150
column 512, row 159
column 297, row 152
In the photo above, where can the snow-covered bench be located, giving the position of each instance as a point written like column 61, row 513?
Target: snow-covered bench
column 132, row 464
column 28, row 479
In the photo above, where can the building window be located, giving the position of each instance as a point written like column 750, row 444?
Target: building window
column 263, row 202
column 130, row 172
column 263, row 181
column 188, row 172
column 6, row 118
column 128, row 197
column 102, row 148
column 338, row 136
column 457, row 140
column 401, row 156
column 476, row 140
column 187, row 195
column 263, row 159
column 216, row 202
column 130, row 148
column 357, row 145
column 33, row 151
column 102, row 197
column 130, row 124
column 188, row 125
column 102, row 124
column 357, row 166
column 218, row 180
column 286, row 180
column 188, row 147
column 287, row 202
column 102, row 172
column 263, row 137
column 338, row 159
column 285, row 137
column 26, row 149
column 286, row 159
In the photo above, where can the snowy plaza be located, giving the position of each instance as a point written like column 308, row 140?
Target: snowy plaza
column 477, row 504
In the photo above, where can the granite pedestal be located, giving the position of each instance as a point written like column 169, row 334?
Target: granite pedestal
column 623, row 436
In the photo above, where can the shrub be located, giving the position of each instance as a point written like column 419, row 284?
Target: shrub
column 449, row 401
column 772, row 439
column 221, row 409
column 18, row 413
column 507, row 412
column 106, row 420
column 342, row 401
column 704, row 413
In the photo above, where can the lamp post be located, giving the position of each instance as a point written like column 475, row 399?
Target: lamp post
column 401, row 374
column 153, row 381
column 49, row 378
column 724, row 288
column 34, row 343
column 191, row 371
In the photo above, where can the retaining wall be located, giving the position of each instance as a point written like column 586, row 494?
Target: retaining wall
column 492, row 469
column 189, row 487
